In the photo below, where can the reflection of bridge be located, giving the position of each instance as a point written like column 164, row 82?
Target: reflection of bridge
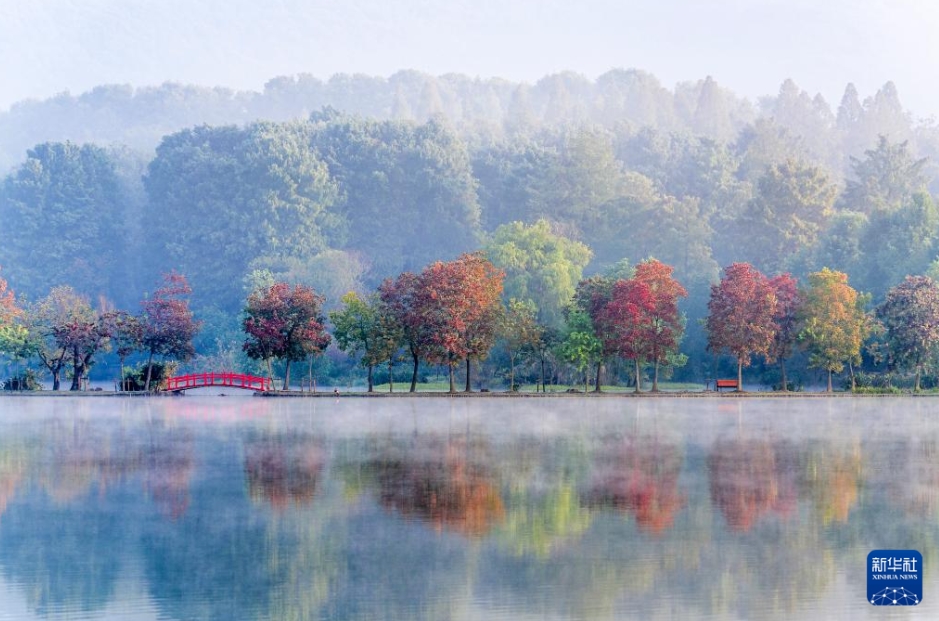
column 231, row 380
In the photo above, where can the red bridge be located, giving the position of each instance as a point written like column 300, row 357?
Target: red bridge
column 231, row 380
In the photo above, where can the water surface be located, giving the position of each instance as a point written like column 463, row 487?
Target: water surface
column 575, row 508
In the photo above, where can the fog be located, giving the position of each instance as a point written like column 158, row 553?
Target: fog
column 749, row 46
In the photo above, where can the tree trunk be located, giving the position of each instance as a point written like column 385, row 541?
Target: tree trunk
column 851, row 372
column 287, row 376
column 146, row 384
column 785, row 382
column 56, row 384
column 312, row 385
column 79, row 370
column 829, row 381
column 414, row 374
column 739, row 374
column 597, row 385
column 121, row 383
column 638, row 377
column 391, row 376
column 586, row 378
column 916, row 388
column 655, row 377
column 512, row 374
column 542, row 375
column 270, row 371
column 371, row 386
column 469, row 388
column 450, row 373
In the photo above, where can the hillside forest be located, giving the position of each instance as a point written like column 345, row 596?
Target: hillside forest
column 567, row 189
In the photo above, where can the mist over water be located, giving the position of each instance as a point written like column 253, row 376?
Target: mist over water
column 216, row 507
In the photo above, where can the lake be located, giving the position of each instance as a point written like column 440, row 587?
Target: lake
column 241, row 508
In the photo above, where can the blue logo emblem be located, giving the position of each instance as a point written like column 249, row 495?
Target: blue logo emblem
column 894, row 577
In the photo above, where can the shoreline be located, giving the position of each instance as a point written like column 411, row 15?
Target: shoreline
column 296, row 394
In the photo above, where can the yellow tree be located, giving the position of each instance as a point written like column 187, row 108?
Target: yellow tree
column 834, row 323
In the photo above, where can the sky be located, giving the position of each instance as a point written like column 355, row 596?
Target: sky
column 749, row 46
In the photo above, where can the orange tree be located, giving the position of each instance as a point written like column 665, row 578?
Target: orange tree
column 458, row 303
column 741, row 315
column 834, row 324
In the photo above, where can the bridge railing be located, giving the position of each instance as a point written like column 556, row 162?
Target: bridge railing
column 231, row 380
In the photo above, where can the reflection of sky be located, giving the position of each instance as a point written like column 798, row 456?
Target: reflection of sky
column 459, row 508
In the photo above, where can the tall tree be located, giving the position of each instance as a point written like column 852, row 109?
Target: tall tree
column 789, row 211
column 834, row 323
column 786, row 334
column 886, row 178
column 910, row 315
column 168, row 324
column 60, row 208
column 228, row 195
column 741, row 315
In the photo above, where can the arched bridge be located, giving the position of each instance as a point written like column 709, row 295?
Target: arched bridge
column 231, row 380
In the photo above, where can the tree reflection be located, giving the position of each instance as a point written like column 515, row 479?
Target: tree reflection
column 443, row 482
column 750, row 478
column 283, row 468
column 168, row 467
column 832, row 476
column 640, row 476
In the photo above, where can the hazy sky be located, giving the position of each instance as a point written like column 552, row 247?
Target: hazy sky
column 750, row 46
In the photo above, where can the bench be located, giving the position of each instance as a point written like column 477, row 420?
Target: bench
column 726, row 383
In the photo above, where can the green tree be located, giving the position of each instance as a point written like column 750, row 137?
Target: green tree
column 885, row 179
column 408, row 191
column 540, row 266
column 788, row 213
column 60, row 209
column 365, row 326
column 579, row 344
column 227, row 196
column 834, row 323
column 521, row 333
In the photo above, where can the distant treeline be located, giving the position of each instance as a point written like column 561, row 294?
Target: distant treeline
column 405, row 171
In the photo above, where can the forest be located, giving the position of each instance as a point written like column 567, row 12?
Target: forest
column 347, row 184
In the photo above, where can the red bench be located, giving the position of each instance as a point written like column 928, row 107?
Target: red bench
column 726, row 383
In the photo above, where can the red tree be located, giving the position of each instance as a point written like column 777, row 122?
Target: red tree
column 400, row 297
column 664, row 324
column 741, row 315
column 788, row 305
column 285, row 323
column 168, row 324
column 624, row 322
